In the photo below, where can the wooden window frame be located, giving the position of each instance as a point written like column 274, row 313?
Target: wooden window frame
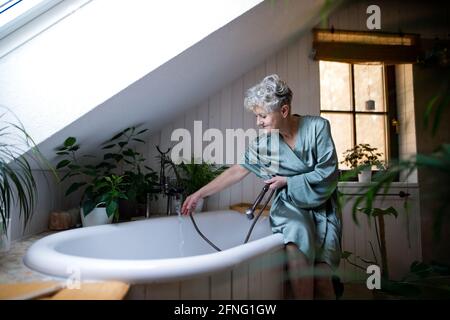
column 390, row 113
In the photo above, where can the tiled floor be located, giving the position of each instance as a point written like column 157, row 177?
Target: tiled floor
column 13, row 270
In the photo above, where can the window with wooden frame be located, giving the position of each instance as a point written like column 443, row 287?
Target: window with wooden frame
column 359, row 101
column 357, row 86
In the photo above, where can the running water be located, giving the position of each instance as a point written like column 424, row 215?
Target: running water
column 180, row 232
column 180, row 227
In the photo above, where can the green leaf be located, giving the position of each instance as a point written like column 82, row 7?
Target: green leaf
column 346, row 254
column 117, row 136
column 129, row 153
column 142, row 131
column 61, row 153
column 74, row 148
column 109, row 146
column 99, row 185
column 74, row 187
column 385, row 212
column 69, row 174
column 111, row 208
column 61, row 148
column 70, row 142
column 88, row 206
column 62, row 164
column 123, row 196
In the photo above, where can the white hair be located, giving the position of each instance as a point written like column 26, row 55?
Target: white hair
column 270, row 94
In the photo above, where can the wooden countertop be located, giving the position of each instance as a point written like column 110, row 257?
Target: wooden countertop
column 52, row 290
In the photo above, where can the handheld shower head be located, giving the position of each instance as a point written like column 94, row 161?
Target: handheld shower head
column 250, row 211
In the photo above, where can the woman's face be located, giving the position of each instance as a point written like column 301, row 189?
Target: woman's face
column 267, row 120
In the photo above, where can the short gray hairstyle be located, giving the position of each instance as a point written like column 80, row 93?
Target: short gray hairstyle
column 270, row 94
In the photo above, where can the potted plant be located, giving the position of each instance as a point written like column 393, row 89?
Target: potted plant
column 140, row 180
column 101, row 200
column 17, row 184
column 362, row 158
column 102, row 189
column 193, row 176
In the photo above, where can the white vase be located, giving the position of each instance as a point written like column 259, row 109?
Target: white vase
column 5, row 239
column 365, row 175
column 96, row 217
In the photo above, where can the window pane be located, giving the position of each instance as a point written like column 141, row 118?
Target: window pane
column 342, row 132
column 335, row 88
column 371, row 129
column 369, row 86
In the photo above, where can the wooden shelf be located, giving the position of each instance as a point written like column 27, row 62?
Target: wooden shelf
column 51, row 290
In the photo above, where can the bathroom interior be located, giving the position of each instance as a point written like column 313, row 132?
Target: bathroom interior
column 87, row 83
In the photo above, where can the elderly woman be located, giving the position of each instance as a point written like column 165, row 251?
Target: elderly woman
column 304, row 208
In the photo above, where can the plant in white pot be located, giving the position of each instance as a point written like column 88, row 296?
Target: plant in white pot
column 102, row 189
column 100, row 203
column 193, row 176
column 140, row 180
column 362, row 158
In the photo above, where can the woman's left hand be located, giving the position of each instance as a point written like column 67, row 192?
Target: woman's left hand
column 276, row 182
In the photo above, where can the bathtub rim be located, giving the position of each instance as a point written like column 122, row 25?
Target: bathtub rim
column 42, row 257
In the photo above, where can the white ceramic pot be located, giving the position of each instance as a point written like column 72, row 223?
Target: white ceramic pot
column 5, row 239
column 365, row 175
column 96, row 217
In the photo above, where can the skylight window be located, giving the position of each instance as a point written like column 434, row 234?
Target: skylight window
column 5, row 5
column 16, row 13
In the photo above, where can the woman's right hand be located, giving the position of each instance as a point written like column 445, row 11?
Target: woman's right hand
column 190, row 203
column 225, row 179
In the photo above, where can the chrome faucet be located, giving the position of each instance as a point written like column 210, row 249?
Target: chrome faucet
column 164, row 186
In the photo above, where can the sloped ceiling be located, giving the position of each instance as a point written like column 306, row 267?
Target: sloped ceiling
column 194, row 74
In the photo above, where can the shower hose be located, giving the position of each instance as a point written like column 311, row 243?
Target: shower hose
column 249, row 231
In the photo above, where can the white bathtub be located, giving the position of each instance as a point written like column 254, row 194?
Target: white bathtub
column 166, row 258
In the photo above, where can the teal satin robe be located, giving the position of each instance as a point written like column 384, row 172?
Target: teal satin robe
column 305, row 211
